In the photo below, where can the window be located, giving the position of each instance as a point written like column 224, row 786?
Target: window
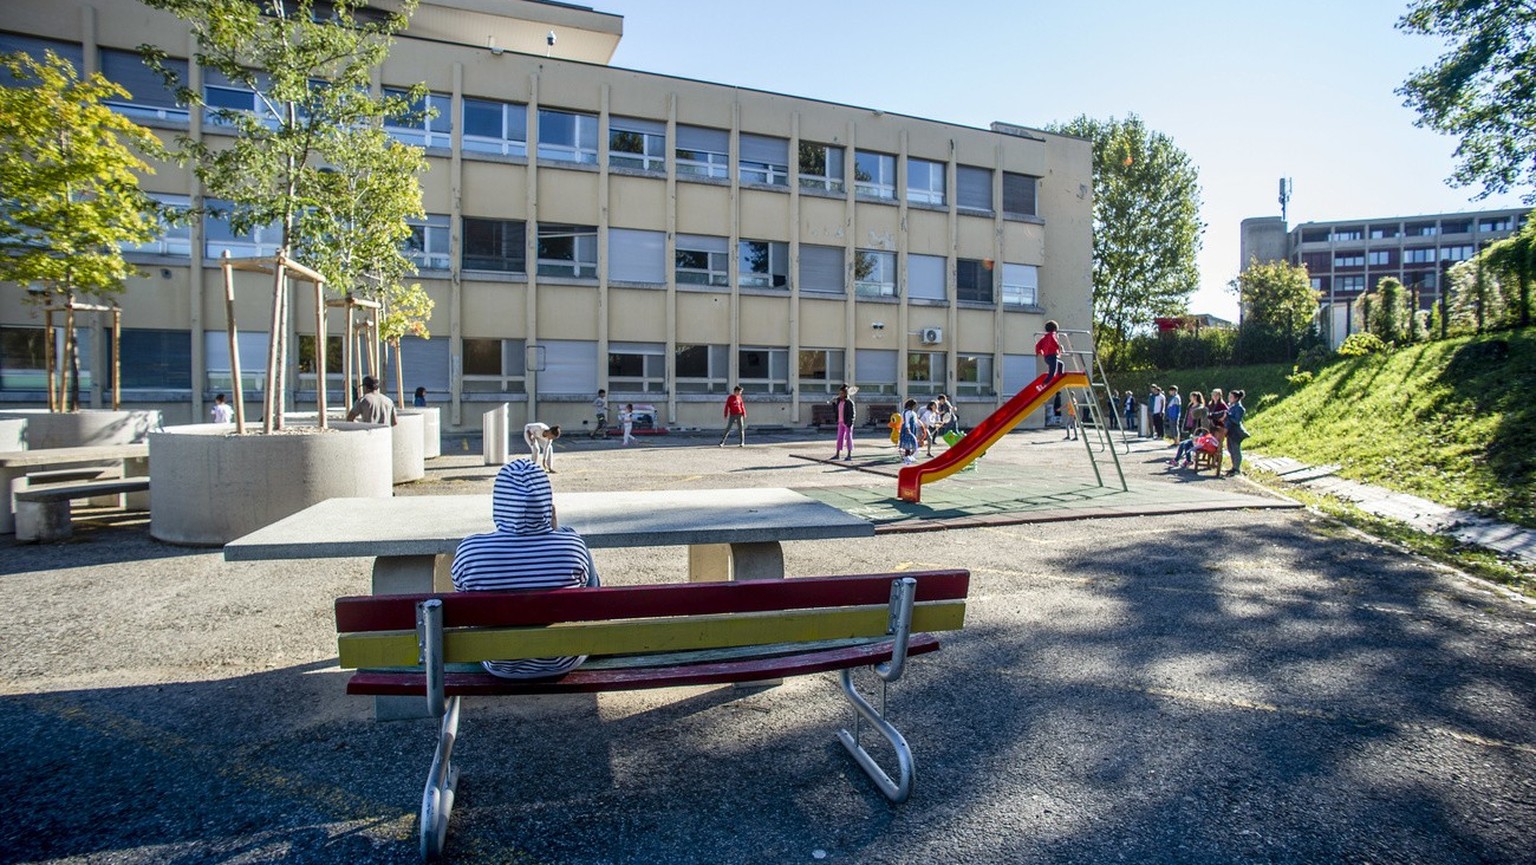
column 925, row 181
column 494, row 365
column 253, row 360
column 1318, row 235
column 821, row 269
column 429, row 363
column 426, row 122
column 973, row 375
column 1382, row 232
column 427, row 247
column 1346, row 234
column 973, row 188
column 1379, row 257
column 1461, row 226
column 1021, row 286
column 762, row 264
column 148, row 97
column 1019, row 194
column 495, row 127
column 1498, row 223
column 219, row 235
column 37, row 48
column 703, row 152
column 639, row 367
column 1421, row 229
column 1457, row 253
column 973, row 280
column 821, row 167
column 874, row 273
column 567, row 250
column 1349, row 283
column 495, row 244
column 874, row 370
column 702, row 260
column 1316, row 262
column 925, row 277
column 874, row 174
column 23, row 365
column 763, row 370
column 1353, row 258
column 1426, row 280
column 569, row 367
column 702, row 368
column 335, row 367
column 223, row 96
column 175, row 237
column 567, row 137
column 925, row 372
column 637, row 144
column 821, row 369
column 637, row 256
column 1419, row 255
column 764, row 160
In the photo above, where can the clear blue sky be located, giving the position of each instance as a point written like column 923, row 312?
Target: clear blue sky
column 1251, row 91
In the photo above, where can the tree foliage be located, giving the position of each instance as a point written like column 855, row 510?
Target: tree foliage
column 1276, row 294
column 1387, row 313
column 1482, row 89
column 1146, row 224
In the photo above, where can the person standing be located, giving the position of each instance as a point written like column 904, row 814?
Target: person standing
column 1195, row 417
column 1070, row 419
column 419, row 400
column 541, row 443
column 1171, row 411
column 1216, row 419
column 1130, row 412
column 1236, row 432
column 373, row 407
column 735, row 416
column 1049, row 348
column 929, row 418
column 600, row 410
column 222, row 412
column 845, row 410
column 627, row 418
column 949, row 419
column 907, row 442
column 1155, row 410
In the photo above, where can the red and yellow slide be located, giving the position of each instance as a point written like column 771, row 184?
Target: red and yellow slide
column 909, row 484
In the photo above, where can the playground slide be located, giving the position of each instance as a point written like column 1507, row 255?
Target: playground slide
column 909, row 485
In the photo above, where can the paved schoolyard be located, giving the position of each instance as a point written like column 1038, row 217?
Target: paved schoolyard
column 1230, row 685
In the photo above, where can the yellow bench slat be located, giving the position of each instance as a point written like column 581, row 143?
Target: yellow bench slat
column 633, row 636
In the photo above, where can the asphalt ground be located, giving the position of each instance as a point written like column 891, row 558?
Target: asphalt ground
column 1245, row 684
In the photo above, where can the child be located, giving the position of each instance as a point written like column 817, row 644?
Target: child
column 1071, row 420
column 909, row 428
column 844, row 408
column 627, row 418
column 1050, row 349
column 1201, row 441
column 930, row 421
column 541, row 443
column 221, row 411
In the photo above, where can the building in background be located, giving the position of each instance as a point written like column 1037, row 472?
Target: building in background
column 1347, row 258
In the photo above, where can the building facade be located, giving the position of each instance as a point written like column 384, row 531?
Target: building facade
column 596, row 227
column 1347, row 258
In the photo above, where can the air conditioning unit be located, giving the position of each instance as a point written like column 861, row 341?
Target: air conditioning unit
column 931, row 335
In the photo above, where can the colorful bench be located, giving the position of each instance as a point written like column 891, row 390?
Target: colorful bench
column 651, row 636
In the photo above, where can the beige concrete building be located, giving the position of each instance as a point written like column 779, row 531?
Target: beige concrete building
column 595, row 227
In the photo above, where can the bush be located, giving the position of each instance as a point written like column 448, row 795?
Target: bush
column 1314, row 358
column 1362, row 344
column 1299, row 379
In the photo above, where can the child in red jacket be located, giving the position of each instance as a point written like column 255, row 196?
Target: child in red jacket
column 1050, row 349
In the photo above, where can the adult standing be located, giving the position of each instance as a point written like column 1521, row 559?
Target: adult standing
column 735, row 417
column 1155, row 410
column 949, row 418
column 600, row 410
column 1195, row 415
column 540, row 439
column 1129, row 407
column 1236, row 432
column 1171, row 411
column 1216, row 417
column 372, row 406
column 843, row 407
column 929, row 418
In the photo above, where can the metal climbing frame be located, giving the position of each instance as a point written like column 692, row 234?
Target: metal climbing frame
column 1099, row 395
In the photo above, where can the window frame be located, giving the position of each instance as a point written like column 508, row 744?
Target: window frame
column 777, row 362
column 653, row 368
column 717, row 368
column 581, row 263
column 985, row 289
column 978, row 365
column 429, row 234
column 775, row 258
column 831, row 363
column 504, row 144
column 933, row 188
column 580, row 150
column 470, row 225
column 883, row 265
column 825, row 181
column 716, row 272
column 430, row 132
column 1020, row 285
column 880, row 186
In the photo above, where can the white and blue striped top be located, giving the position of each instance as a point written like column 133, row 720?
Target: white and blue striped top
column 525, row 552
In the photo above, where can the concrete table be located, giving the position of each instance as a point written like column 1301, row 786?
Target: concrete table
column 15, row 465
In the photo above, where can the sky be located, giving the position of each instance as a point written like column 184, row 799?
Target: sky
column 1252, row 91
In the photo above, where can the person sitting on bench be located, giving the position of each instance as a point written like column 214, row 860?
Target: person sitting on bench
column 528, row 550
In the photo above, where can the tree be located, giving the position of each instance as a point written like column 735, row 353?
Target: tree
column 1514, row 260
column 1482, row 89
column 69, row 180
column 1389, row 317
column 1146, row 224
column 311, row 157
column 1276, row 294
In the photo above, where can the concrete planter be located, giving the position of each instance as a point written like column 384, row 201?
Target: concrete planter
column 211, row 486
column 431, row 431
column 46, row 429
column 13, row 432
column 409, row 446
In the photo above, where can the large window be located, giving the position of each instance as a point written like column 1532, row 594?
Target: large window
column 637, row 256
column 1457, row 253
column 148, row 97
column 219, row 235
column 1346, row 234
column 821, row 370
column 874, row 174
column 763, row 370
column 494, row 365
column 567, row 367
column 567, row 137
column 175, row 234
column 23, row 362
column 1379, row 257
column 874, row 273
column 763, row 264
column 1386, row 230
column 925, row 181
column 1419, row 255
column 925, row 277
column 1349, row 283
column 1417, row 229
column 495, row 244
column 1021, row 285
column 1019, row 194
column 253, row 361
column 874, row 370
column 973, row 188
column 427, row 247
column 638, row 144
column 427, row 122
column 639, row 367
column 973, row 375
column 223, row 96
column 335, row 367
column 764, row 160
column 703, row 152
column 1496, row 223
column 491, row 126
column 703, row 368
column 1353, row 258
column 821, row 166
column 973, row 280
column 567, row 250
column 925, row 372
column 821, row 269
column 702, row 260
column 37, row 48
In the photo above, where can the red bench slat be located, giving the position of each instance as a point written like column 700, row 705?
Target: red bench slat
column 630, row 679
column 538, row 607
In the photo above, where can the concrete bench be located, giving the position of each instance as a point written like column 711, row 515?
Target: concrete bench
column 43, row 512
column 649, row 636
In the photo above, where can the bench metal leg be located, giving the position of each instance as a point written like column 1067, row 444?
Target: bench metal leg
column 896, row 791
column 442, row 783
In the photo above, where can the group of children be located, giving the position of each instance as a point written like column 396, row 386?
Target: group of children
column 626, row 418
column 920, row 427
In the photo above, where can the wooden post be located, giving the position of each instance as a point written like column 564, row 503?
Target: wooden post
column 238, row 388
column 373, row 345
column 320, row 352
column 70, row 350
column 399, row 374
column 49, row 362
column 117, row 357
column 269, row 403
column 349, row 353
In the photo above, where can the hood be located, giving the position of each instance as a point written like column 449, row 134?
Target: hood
column 523, row 502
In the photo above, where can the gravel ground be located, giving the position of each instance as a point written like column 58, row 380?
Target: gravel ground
column 1252, row 686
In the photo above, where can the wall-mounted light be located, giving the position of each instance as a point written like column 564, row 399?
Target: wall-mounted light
column 549, row 40
column 877, row 325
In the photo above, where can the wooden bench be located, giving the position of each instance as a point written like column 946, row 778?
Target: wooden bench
column 823, row 415
column 43, row 512
column 880, row 413
column 649, row 636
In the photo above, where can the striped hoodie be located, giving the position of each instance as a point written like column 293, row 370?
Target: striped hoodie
column 525, row 552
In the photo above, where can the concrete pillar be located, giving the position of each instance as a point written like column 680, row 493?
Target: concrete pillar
column 493, row 435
